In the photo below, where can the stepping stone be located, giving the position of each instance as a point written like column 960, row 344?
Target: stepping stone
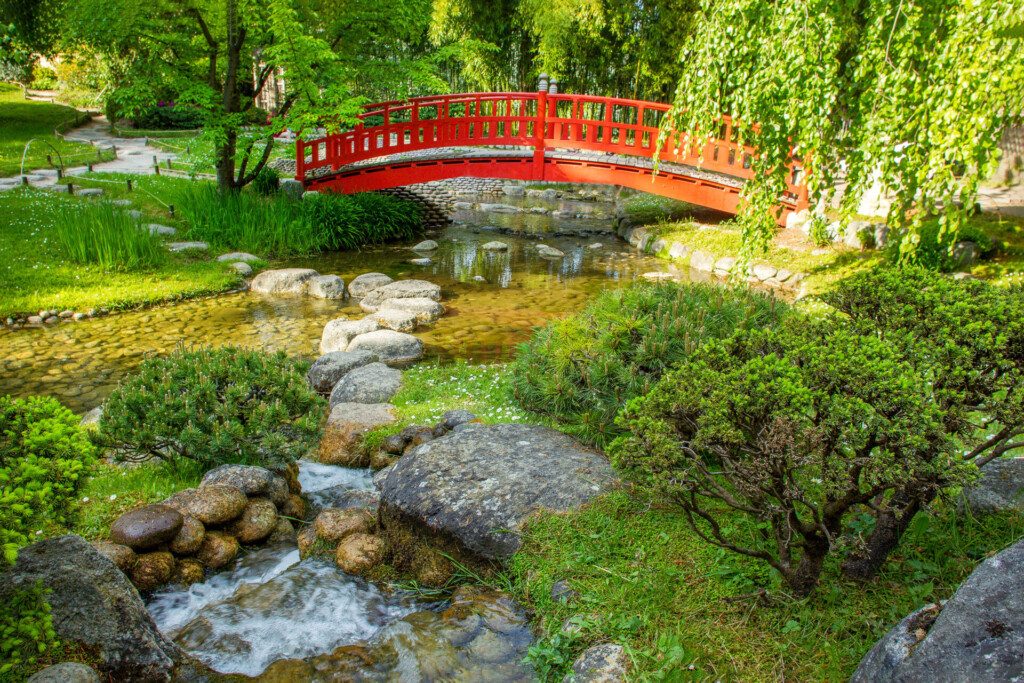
column 136, row 214
column 242, row 268
column 326, row 287
column 121, row 202
column 391, row 347
column 90, row 192
column 283, row 281
column 494, row 246
column 403, row 289
column 188, row 246
column 425, row 310
column 660, row 277
column 331, row 367
column 397, row 320
column 238, row 256
column 421, row 261
column 425, row 245
column 157, row 229
column 366, row 283
column 338, row 333
column 371, row 383
column 58, row 188
column 549, row 252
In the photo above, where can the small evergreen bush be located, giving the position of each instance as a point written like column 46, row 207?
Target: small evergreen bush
column 935, row 251
column 214, row 406
column 26, row 631
column 266, row 182
column 45, row 457
column 581, row 370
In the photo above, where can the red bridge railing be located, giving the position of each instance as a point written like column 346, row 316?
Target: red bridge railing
column 540, row 120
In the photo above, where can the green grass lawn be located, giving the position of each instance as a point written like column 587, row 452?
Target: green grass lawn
column 22, row 120
column 195, row 154
column 648, row 583
column 36, row 276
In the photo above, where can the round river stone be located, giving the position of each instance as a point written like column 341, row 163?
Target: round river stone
column 146, row 527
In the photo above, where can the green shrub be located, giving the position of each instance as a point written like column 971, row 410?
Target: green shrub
column 266, row 182
column 936, row 252
column 101, row 233
column 26, row 632
column 786, row 445
column 349, row 221
column 581, row 370
column 214, row 406
column 45, row 456
column 43, row 78
column 170, row 116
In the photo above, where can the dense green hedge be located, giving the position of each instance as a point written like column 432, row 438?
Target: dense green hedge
column 214, row 406
column 581, row 370
column 44, row 460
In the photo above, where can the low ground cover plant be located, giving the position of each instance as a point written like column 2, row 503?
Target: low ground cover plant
column 581, row 370
column 211, row 407
column 280, row 225
column 788, row 445
column 45, row 458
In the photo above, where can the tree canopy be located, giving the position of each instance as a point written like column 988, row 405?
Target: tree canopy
column 912, row 94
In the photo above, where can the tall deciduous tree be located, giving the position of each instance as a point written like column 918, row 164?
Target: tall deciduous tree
column 218, row 55
column 911, row 94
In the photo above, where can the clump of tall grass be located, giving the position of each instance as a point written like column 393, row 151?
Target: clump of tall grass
column 279, row 225
column 102, row 234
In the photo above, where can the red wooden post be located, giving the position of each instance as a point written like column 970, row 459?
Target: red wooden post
column 300, row 160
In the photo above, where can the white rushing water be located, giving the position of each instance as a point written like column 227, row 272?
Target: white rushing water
column 270, row 605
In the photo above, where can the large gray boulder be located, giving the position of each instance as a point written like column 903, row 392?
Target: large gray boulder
column 1000, row 489
column 331, row 367
column 373, row 383
column 95, row 606
column 283, row 281
column 479, row 483
column 402, row 289
column 976, row 637
column 366, row 283
column 393, row 348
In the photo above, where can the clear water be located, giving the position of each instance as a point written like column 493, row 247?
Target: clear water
column 81, row 362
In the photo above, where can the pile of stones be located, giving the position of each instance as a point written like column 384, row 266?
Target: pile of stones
column 204, row 528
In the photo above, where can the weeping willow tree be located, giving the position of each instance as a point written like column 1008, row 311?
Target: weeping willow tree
column 911, row 95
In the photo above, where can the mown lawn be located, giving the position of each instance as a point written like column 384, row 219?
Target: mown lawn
column 22, row 120
column 648, row 583
column 35, row 275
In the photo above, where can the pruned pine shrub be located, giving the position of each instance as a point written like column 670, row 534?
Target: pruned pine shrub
column 790, row 444
column 26, row 631
column 45, row 457
column 581, row 370
column 214, row 406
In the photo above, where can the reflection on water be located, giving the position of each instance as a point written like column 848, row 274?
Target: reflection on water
column 494, row 299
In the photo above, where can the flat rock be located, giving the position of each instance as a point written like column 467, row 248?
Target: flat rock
column 604, row 663
column 157, row 229
column 425, row 245
column 66, row 672
column 346, row 425
column 702, row 261
column 249, row 479
column 340, row 332
column 243, row 256
column 393, row 348
column 242, row 268
column 425, row 310
column 146, row 527
column 282, row 281
column 95, row 606
column 366, row 283
column 421, row 261
column 494, row 246
column 372, row 383
column 188, row 246
column 660, row 277
column 331, row 367
column 977, row 635
column 549, row 252
column 397, row 320
column 402, row 289
column 326, row 287
column 89, row 192
column 1000, row 489
column 480, row 482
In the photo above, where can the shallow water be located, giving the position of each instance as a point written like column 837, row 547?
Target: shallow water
column 81, row 362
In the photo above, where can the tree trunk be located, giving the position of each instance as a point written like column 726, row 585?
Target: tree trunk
column 890, row 526
column 225, row 154
column 804, row 578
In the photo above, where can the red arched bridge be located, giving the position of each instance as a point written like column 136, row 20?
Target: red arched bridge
column 536, row 136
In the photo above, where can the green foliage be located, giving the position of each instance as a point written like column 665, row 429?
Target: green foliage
column 674, row 602
column 103, row 234
column 213, row 406
column 868, row 414
column 914, row 96
column 579, row 371
column 935, row 249
column 267, row 182
column 282, row 226
column 169, row 116
column 43, row 78
column 44, row 460
column 26, row 631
